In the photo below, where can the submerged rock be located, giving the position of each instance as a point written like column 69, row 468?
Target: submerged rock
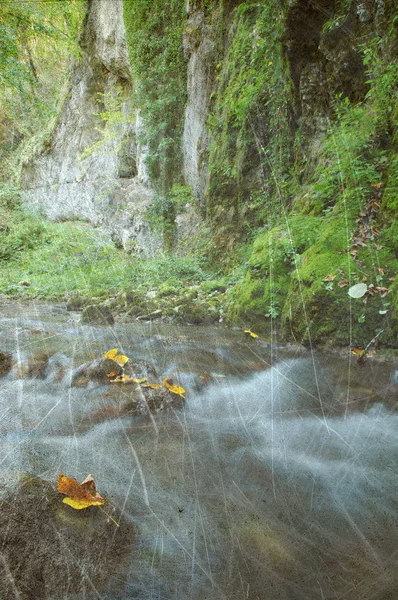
column 97, row 314
column 5, row 363
column 50, row 550
column 34, row 367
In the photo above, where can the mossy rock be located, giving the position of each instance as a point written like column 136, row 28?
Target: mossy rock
column 274, row 258
column 77, row 303
column 196, row 313
column 167, row 290
column 97, row 314
column 215, row 285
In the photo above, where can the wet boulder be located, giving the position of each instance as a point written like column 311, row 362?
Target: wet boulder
column 5, row 363
column 97, row 371
column 97, row 314
column 50, row 550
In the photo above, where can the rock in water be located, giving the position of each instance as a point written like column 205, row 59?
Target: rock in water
column 50, row 550
column 96, row 370
column 97, row 314
column 5, row 363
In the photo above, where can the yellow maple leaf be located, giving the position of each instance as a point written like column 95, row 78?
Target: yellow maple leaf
column 251, row 333
column 142, row 380
column 175, row 389
column 79, row 495
column 154, row 386
column 120, row 359
column 123, row 379
column 111, row 354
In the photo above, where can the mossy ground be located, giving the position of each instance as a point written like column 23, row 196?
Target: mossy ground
column 76, row 263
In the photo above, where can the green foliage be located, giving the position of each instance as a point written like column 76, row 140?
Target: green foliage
column 163, row 211
column 154, row 36
column 36, row 43
column 59, row 259
column 19, row 234
column 349, row 159
column 114, row 116
column 249, row 124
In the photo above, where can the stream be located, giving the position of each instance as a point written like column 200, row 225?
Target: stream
column 276, row 481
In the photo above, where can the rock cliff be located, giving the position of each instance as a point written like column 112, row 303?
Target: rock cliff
column 93, row 167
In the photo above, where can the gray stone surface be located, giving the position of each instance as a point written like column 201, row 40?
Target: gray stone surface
column 107, row 186
column 201, row 48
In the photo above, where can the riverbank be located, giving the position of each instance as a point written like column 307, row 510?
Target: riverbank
column 78, row 264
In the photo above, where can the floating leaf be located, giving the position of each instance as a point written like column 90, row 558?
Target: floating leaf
column 358, row 290
column 120, row 359
column 248, row 332
column 79, row 495
column 175, row 389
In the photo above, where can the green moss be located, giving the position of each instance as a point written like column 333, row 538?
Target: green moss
column 390, row 196
column 154, row 37
column 73, row 260
column 276, row 253
column 251, row 97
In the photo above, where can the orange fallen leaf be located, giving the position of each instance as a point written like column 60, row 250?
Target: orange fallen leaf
column 175, row 389
column 79, row 495
column 111, row 374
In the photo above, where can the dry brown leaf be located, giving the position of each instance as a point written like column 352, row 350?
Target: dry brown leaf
column 79, row 495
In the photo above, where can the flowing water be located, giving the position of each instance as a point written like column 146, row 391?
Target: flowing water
column 278, row 480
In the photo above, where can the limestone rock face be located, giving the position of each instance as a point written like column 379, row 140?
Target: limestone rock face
column 200, row 45
column 65, row 181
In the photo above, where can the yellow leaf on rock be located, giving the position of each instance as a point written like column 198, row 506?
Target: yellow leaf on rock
column 120, row 359
column 79, row 495
column 153, row 386
column 249, row 332
column 175, row 389
column 123, row 379
column 142, row 380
